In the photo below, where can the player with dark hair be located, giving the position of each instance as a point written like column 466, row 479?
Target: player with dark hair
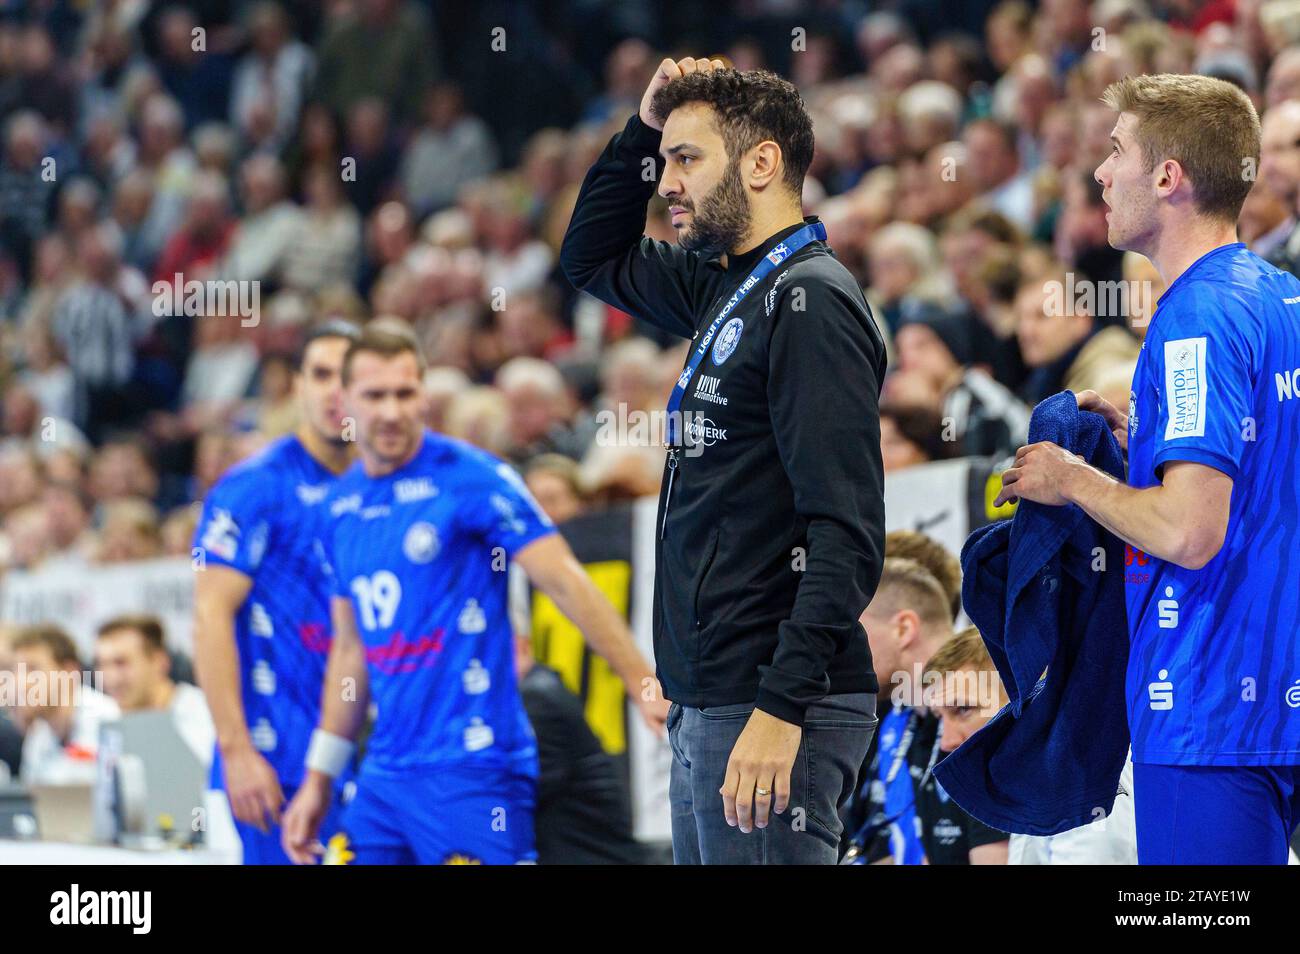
column 261, row 623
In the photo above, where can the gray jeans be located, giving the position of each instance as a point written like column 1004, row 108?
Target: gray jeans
column 837, row 731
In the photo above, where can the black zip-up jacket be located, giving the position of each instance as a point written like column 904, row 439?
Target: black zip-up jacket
column 774, row 534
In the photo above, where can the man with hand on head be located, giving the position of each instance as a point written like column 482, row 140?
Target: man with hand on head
column 770, row 534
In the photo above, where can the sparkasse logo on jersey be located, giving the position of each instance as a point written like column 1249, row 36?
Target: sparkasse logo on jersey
column 130, row 908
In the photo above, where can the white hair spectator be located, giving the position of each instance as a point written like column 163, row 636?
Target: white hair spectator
column 534, row 374
column 931, row 100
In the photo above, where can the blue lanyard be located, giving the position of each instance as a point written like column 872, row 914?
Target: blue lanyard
column 901, row 748
column 809, row 233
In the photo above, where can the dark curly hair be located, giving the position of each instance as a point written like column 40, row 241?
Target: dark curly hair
column 751, row 106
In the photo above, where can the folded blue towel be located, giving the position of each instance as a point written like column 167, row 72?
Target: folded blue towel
column 1046, row 590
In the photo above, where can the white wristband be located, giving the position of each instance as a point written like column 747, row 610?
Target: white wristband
column 328, row 753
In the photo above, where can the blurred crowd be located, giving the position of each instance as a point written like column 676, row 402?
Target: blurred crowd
column 417, row 163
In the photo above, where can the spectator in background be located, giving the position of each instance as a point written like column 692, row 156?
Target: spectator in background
column 538, row 414
column 391, row 247
column 1283, row 82
column 583, row 814
column 978, row 412
column 51, row 274
column 26, row 537
column 370, row 147
column 222, row 365
column 911, row 434
column 908, row 619
column 24, row 417
column 934, row 556
column 326, row 244
column 1081, row 234
column 1069, row 350
column 626, row 68
column 1265, row 221
column 72, row 542
column 277, row 406
column 318, row 142
column 26, row 185
column 45, row 372
column 108, row 153
column 59, row 714
column 132, row 654
column 441, row 385
column 515, row 261
column 130, row 531
column 169, row 165
column 215, row 148
column 270, row 81
column 385, row 49
column 96, row 330
column 969, row 695
column 45, row 83
column 941, row 186
column 135, row 214
column 450, row 149
column 994, row 164
column 214, row 453
column 556, row 484
column 78, row 208
column 969, row 236
column 1061, row 135
column 1279, row 173
column 122, row 468
column 269, row 226
column 177, row 531
column 990, row 296
column 199, row 77
column 480, row 416
column 67, row 466
column 21, row 476
column 529, row 327
column 196, row 249
column 904, row 272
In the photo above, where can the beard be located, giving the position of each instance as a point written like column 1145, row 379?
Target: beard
column 721, row 220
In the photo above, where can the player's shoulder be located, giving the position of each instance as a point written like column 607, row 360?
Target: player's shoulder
column 457, row 460
column 1230, row 276
column 1223, row 294
column 258, row 475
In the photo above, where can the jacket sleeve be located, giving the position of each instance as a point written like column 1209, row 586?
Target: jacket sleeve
column 605, row 252
column 825, row 367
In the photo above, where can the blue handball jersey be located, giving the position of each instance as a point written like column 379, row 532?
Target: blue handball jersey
column 1214, row 663
column 422, row 554
column 261, row 519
